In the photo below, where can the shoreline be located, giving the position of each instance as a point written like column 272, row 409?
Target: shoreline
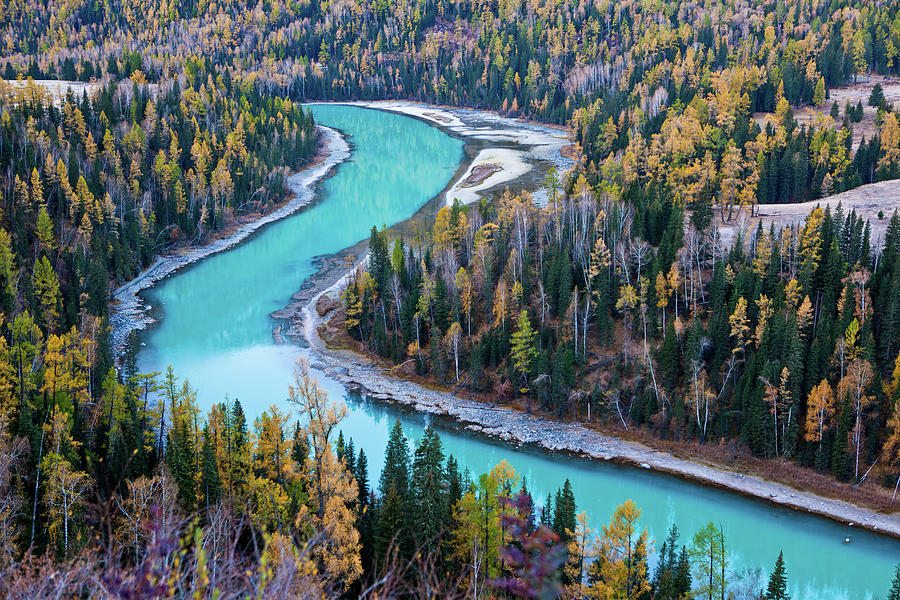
column 518, row 428
column 129, row 311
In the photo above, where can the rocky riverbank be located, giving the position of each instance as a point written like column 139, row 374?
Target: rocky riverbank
column 572, row 438
column 129, row 310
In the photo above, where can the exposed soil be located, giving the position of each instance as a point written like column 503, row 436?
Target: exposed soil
column 479, row 174
column 858, row 92
column 874, row 202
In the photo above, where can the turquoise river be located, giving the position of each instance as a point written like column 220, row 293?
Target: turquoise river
column 216, row 330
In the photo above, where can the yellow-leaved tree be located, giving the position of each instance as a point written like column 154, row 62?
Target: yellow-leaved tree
column 331, row 486
column 478, row 535
column 620, row 567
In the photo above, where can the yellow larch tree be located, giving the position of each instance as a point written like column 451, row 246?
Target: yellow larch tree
column 332, row 487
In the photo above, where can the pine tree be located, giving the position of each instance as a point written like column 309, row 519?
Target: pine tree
column 876, row 97
column 362, row 478
column 778, row 581
column 181, row 447
column 210, row 481
column 431, row 516
column 332, row 488
column 238, row 450
column 710, row 556
column 668, row 357
column 620, row 570
column 454, row 483
column 46, row 288
column 394, row 514
column 523, row 351
column 672, row 579
column 564, row 512
column 894, row 592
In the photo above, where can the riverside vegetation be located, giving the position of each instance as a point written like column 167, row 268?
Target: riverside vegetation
column 606, row 300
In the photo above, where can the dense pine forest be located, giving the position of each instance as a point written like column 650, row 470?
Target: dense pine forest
column 616, row 303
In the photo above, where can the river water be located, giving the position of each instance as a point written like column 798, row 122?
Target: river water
column 213, row 327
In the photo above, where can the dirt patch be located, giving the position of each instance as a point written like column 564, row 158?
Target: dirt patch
column 479, row 174
column 438, row 117
column 875, row 202
column 858, row 92
column 326, row 304
column 571, row 152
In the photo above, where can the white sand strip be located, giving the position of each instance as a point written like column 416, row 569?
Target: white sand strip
column 511, row 164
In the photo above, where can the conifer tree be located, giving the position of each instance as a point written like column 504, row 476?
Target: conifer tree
column 894, row 592
column 210, row 481
column 394, row 511
column 710, row 558
column 564, row 512
column 777, row 589
column 522, row 351
column 431, row 514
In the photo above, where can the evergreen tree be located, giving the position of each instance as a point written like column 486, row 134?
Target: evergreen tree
column 876, row 98
column 894, row 592
column 394, row 511
column 379, row 259
column 454, row 483
column 564, row 512
column 778, row 581
column 362, row 478
column 672, row 579
column 431, row 515
column 238, row 451
column 210, row 481
column 547, row 512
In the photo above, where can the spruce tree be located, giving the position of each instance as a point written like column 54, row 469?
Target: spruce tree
column 876, row 98
column 299, row 448
column 683, row 579
column 668, row 358
column 239, row 459
column 564, row 512
column 894, row 592
column 454, row 483
column 362, row 478
column 431, row 515
column 547, row 512
column 210, row 481
column 778, row 581
column 393, row 486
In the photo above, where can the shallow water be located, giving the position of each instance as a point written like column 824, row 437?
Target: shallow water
column 216, row 331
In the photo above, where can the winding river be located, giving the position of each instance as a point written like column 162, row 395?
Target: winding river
column 214, row 327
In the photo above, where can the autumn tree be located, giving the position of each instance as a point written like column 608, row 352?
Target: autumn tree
column 333, row 489
column 478, row 535
column 710, row 558
column 523, row 351
column 66, row 487
column 620, row 569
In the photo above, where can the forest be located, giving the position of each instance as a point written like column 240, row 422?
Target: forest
column 215, row 508
column 616, row 303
